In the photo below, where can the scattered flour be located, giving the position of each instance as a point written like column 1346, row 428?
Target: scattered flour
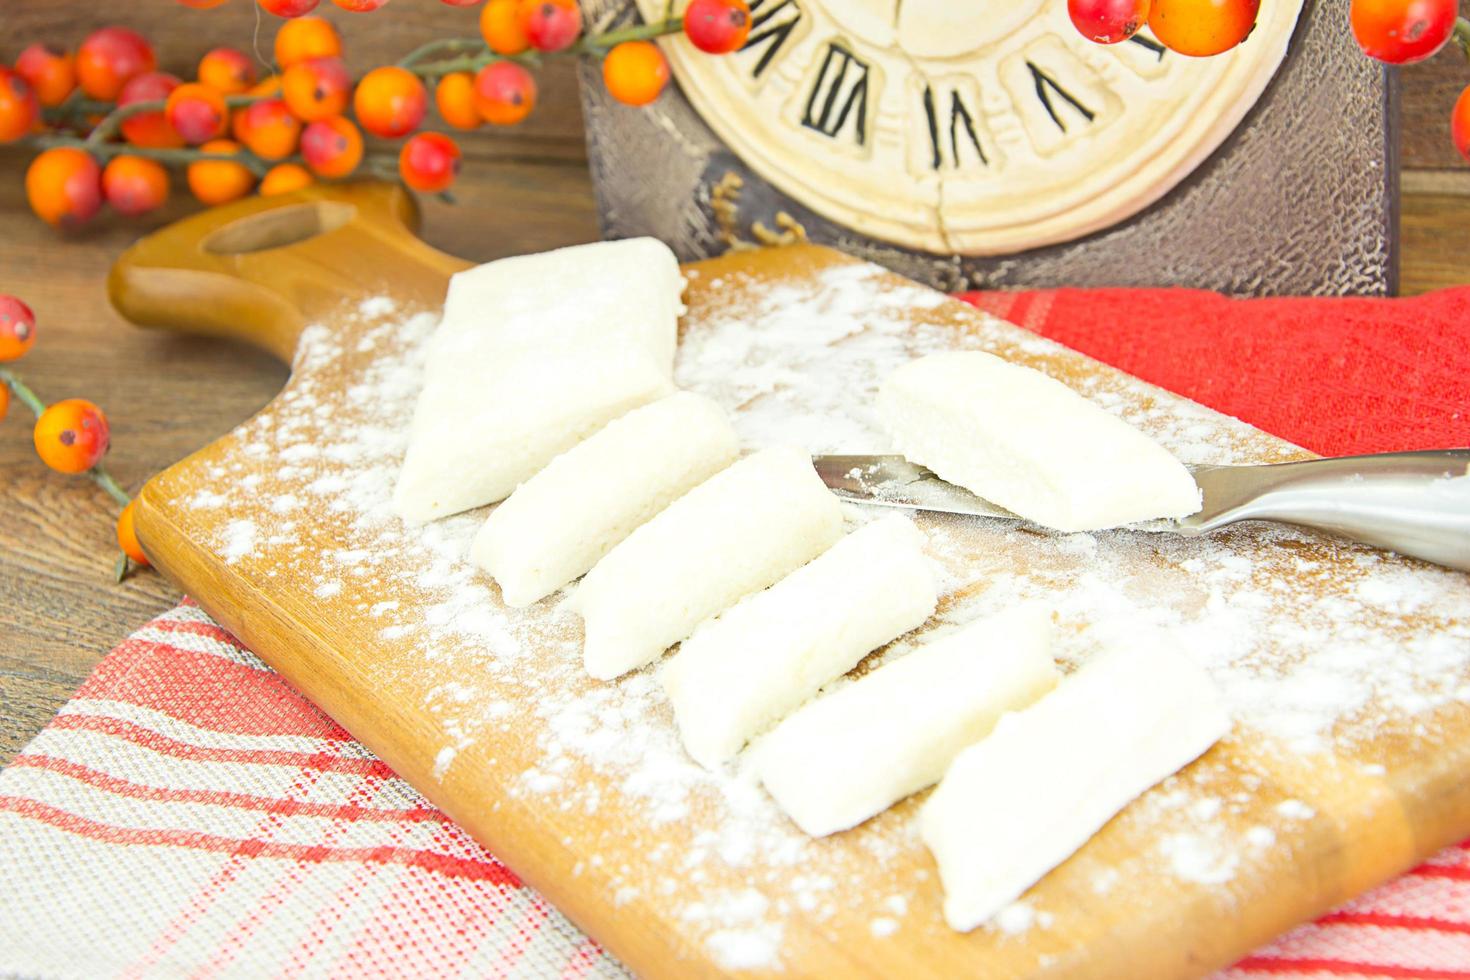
column 1314, row 669
column 1295, row 810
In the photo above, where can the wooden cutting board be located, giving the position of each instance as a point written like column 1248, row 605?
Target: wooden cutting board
column 1349, row 761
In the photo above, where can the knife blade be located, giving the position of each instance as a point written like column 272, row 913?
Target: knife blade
column 1415, row 503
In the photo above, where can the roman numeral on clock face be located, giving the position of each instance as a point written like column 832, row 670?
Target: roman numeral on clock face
column 772, row 23
column 953, row 123
column 1056, row 96
column 837, row 105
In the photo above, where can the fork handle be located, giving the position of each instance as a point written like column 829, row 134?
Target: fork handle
column 1415, row 503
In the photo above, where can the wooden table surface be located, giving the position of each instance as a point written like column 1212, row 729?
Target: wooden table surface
column 522, row 190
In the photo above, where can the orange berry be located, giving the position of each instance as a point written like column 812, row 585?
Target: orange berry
column 455, row 98
column 196, row 112
column 316, row 88
column 500, row 25
column 150, row 129
column 219, row 181
column 390, row 102
column 505, row 93
column 360, row 6
column 17, row 328
column 134, row 185
column 108, row 58
column 71, row 436
column 64, row 186
column 1202, row 28
column 288, row 8
column 550, row 25
column 635, row 72
column 202, row 4
column 4, row 401
column 127, row 535
column 269, row 129
column 304, row 38
column 52, row 74
column 284, row 178
column 332, row 147
column 227, row 71
column 19, row 108
column 429, row 162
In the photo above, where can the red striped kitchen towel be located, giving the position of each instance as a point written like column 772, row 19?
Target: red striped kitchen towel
column 188, row 813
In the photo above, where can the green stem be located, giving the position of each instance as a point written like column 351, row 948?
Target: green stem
column 1462, row 36
column 446, row 45
column 22, row 392
column 98, row 474
column 471, row 62
column 104, row 480
column 112, row 122
column 599, row 43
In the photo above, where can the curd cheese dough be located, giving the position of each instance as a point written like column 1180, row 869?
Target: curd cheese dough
column 534, row 354
column 1018, row 803
column 1029, row 443
column 855, row 752
column 754, row 663
column 561, row 521
column 741, row 530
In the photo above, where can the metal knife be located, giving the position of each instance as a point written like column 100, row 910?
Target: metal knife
column 1414, row 503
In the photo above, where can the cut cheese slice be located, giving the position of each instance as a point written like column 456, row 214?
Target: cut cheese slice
column 561, row 521
column 533, row 355
column 1017, row 804
column 738, row 532
column 1031, row 444
column 855, row 752
column 757, row 661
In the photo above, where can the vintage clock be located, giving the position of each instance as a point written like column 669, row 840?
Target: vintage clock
column 985, row 142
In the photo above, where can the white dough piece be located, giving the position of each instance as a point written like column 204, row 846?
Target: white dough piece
column 561, row 521
column 862, row 748
column 1031, row 444
column 739, row 531
column 534, row 354
column 754, row 663
column 1017, row 804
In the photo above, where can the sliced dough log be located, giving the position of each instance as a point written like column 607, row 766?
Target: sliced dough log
column 855, row 752
column 757, row 661
column 1017, row 804
column 1031, row 444
column 522, row 368
column 561, row 521
column 738, row 532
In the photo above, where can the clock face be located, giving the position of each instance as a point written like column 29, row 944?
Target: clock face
column 978, row 127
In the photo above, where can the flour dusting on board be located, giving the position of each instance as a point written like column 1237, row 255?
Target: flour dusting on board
column 1319, row 672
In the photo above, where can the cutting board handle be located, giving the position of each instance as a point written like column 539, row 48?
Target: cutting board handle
column 261, row 269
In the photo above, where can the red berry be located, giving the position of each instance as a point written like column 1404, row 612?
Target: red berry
column 52, row 74
column 429, row 162
column 64, row 186
column 1108, row 21
column 1460, row 124
column 1401, row 32
column 288, row 8
column 332, row 147
column 72, row 436
column 717, row 26
column 227, row 71
column 110, row 57
column 19, row 107
column 460, row 3
column 197, row 112
column 134, row 185
column 17, row 328
column 550, row 25
column 505, row 93
column 150, row 129
column 390, row 102
column 360, row 6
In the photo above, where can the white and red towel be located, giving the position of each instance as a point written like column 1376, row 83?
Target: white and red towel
column 188, row 813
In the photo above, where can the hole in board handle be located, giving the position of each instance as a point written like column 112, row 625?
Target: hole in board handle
column 279, row 227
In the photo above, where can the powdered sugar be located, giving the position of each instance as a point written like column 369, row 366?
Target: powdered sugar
column 1320, row 647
